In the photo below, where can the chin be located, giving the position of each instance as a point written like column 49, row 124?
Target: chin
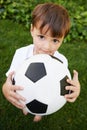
column 46, row 52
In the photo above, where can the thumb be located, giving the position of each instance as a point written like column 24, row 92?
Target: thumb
column 11, row 74
column 75, row 76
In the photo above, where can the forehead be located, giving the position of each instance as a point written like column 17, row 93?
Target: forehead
column 46, row 29
column 47, row 34
column 43, row 29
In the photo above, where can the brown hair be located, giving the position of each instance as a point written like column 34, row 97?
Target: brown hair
column 54, row 16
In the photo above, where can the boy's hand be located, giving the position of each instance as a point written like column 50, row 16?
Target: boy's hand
column 9, row 92
column 74, row 87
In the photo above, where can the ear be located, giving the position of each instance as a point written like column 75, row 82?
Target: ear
column 31, row 30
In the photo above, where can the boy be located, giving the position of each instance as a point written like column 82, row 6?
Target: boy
column 50, row 25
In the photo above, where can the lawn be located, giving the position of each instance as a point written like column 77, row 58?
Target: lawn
column 73, row 116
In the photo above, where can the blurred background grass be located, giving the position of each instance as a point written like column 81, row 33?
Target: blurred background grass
column 73, row 116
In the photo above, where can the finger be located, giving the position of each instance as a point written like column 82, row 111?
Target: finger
column 10, row 74
column 71, row 82
column 72, row 95
column 14, row 88
column 17, row 96
column 9, row 78
column 71, row 100
column 71, row 88
column 17, row 104
column 25, row 112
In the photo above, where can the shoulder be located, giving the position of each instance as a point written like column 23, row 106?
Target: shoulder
column 24, row 52
column 20, row 55
column 61, row 57
column 24, row 49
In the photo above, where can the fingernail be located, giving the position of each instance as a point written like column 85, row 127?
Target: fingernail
column 67, row 80
column 24, row 99
column 66, row 88
column 22, row 88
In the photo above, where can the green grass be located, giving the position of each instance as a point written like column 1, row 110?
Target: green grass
column 73, row 116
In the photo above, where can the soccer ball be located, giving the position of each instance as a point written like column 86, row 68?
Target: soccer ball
column 44, row 79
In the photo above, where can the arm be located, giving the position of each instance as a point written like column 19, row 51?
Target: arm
column 9, row 91
column 74, row 87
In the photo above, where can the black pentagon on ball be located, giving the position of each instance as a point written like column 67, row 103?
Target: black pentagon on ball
column 36, row 71
column 37, row 107
column 63, row 84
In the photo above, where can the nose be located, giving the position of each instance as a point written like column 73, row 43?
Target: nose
column 47, row 46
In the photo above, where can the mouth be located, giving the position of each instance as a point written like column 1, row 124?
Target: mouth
column 42, row 51
column 46, row 52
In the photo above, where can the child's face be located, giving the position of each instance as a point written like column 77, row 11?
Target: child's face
column 45, row 44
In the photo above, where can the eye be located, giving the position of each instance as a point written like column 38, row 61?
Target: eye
column 56, row 41
column 41, row 36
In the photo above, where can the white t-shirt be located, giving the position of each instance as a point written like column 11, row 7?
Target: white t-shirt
column 25, row 53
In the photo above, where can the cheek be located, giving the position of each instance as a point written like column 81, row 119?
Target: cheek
column 35, row 40
column 36, row 43
column 58, row 46
column 55, row 48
